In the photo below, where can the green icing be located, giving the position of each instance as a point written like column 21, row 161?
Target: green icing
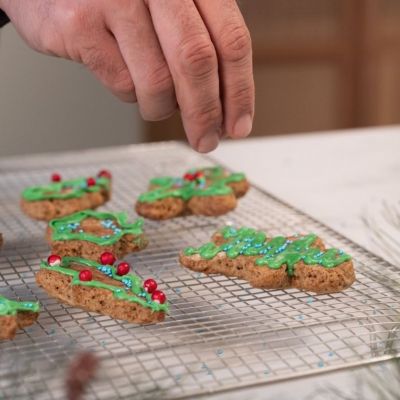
column 132, row 291
column 68, row 228
column 273, row 253
column 11, row 307
column 214, row 182
column 64, row 190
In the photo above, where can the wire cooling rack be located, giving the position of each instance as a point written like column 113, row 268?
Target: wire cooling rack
column 220, row 334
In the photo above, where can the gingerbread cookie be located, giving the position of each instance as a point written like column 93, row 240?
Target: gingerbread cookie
column 61, row 198
column 105, row 288
column 206, row 191
column 16, row 315
column 272, row 263
column 89, row 233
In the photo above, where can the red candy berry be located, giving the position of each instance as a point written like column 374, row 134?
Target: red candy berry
column 150, row 285
column 107, row 258
column 90, row 181
column 104, row 174
column 54, row 260
column 198, row 174
column 56, row 178
column 85, row 275
column 188, row 177
column 159, row 297
column 123, row 268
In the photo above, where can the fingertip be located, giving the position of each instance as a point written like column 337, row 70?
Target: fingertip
column 207, row 142
column 242, row 127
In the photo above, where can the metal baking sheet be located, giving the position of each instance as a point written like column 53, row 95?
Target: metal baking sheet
column 220, row 334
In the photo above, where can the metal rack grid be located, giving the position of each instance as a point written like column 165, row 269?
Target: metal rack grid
column 221, row 333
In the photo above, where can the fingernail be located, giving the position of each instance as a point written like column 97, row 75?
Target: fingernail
column 208, row 142
column 243, row 126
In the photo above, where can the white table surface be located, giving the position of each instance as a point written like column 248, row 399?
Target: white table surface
column 337, row 177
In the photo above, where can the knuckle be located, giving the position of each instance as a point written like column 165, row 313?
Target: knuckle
column 122, row 83
column 242, row 93
column 93, row 58
column 235, row 43
column 158, row 115
column 159, row 81
column 197, row 56
column 209, row 114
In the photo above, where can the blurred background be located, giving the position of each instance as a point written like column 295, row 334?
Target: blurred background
column 319, row 65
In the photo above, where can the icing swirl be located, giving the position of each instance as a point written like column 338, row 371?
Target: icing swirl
column 12, row 307
column 64, row 190
column 69, row 227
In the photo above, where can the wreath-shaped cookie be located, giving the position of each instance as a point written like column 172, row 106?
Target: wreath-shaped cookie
column 103, row 287
column 89, row 233
column 60, row 198
column 302, row 262
column 206, row 191
column 16, row 315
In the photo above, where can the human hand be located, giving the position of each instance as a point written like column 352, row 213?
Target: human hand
column 164, row 54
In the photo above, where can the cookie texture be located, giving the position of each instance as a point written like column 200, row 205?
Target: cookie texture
column 280, row 262
column 89, row 233
column 15, row 315
column 58, row 199
column 205, row 191
column 101, row 288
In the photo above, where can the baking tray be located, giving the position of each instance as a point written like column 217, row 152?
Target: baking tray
column 221, row 334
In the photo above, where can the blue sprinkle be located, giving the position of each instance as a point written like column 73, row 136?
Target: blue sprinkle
column 220, row 352
column 310, row 300
column 266, row 372
column 340, row 252
column 300, row 317
column 320, row 364
column 331, row 354
column 177, row 290
column 52, row 331
column 178, row 377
